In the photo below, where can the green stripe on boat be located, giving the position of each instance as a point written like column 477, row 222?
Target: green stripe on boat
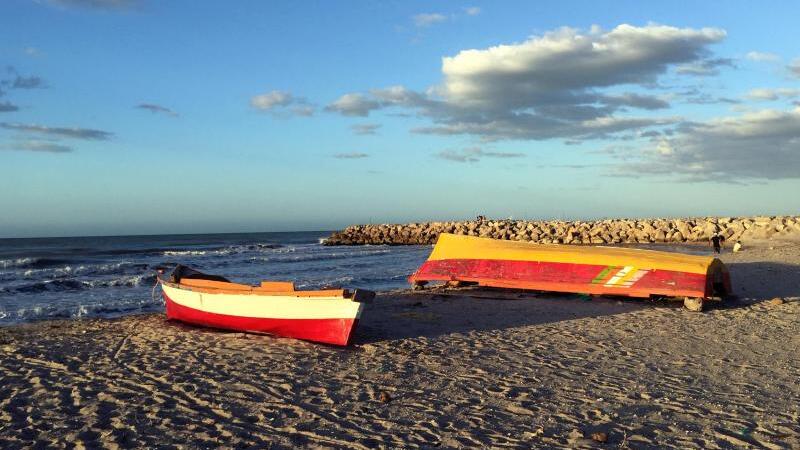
column 602, row 275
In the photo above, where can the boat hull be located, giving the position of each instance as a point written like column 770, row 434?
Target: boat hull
column 589, row 270
column 324, row 320
column 564, row 277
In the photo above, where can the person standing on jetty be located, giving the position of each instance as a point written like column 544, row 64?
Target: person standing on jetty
column 717, row 240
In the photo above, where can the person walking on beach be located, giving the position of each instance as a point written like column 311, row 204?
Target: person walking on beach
column 737, row 246
column 716, row 241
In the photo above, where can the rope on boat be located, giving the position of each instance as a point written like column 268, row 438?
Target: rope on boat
column 153, row 293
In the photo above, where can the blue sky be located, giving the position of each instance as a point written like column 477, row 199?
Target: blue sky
column 139, row 117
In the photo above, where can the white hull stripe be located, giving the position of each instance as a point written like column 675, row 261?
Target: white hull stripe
column 618, row 276
column 626, row 277
column 636, row 277
column 268, row 307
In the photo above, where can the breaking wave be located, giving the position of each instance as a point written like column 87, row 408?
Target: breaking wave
column 34, row 263
column 221, row 251
column 75, row 311
column 61, row 285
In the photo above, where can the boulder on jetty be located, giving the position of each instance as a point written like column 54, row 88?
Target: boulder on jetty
column 597, row 232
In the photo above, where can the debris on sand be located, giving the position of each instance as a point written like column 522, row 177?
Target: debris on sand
column 776, row 301
column 599, row 437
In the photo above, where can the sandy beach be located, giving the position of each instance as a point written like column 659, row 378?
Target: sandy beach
column 455, row 369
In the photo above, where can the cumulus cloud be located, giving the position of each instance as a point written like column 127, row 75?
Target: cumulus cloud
column 353, row 105
column 8, row 106
column 763, row 144
column 772, row 94
column 38, row 146
column 762, row 57
column 74, row 133
column 565, row 63
column 365, row 128
column 428, row 19
column 282, row 103
column 474, row 154
column 109, row 5
column 472, row 10
column 157, row 109
column 551, row 86
column 351, row 155
column 271, row 100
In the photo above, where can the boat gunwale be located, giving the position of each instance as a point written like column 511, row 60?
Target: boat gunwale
column 338, row 294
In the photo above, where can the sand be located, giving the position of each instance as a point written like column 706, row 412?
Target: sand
column 459, row 369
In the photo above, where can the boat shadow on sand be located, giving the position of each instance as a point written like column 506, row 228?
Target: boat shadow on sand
column 436, row 312
column 754, row 282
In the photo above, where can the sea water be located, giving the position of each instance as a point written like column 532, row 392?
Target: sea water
column 47, row 278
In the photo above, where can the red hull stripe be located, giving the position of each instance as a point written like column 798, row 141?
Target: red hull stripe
column 561, row 277
column 328, row 331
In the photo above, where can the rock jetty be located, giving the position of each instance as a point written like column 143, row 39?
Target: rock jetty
column 610, row 231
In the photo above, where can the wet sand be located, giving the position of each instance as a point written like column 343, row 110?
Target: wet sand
column 457, row 369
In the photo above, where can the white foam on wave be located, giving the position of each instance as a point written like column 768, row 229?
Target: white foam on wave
column 83, row 269
column 18, row 262
column 74, row 311
column 185, row 253
column 229, row 250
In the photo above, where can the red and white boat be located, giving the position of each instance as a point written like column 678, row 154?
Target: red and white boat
column 328, row 316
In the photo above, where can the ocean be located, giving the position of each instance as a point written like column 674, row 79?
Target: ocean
column 47, row 278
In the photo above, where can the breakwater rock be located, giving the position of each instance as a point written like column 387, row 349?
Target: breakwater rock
column 610, row 231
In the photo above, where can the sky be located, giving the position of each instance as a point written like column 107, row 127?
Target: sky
column 146, row 117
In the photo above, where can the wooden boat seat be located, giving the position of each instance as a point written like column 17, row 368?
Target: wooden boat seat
column 211, row 284
column 277, row 288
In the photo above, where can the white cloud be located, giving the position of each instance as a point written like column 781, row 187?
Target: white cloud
column 772, row 94
column 38, row 146
column 763, row 144
column 428, row 19
column 762, row 57
column 474, row 154
column 282, row 103
column 563, row 84
column 565, row 62
column 271, row 100
column 365, row 128
column 353, row 105
column 472, row 10
column 60, row 132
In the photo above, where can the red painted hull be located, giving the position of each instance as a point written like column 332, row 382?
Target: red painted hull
column 327, row 331
column 561, row 277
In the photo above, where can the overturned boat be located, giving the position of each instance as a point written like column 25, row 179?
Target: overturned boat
column 328, row 316
column 580, row 269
